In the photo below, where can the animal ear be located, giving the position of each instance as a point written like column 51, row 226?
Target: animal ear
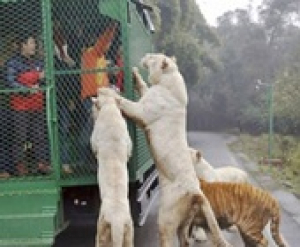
column 164, row 64
column 174, row 59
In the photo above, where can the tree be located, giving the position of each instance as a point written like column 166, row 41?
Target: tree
column 238, row 53
column 287, row 100
column 183, row 32
column 251, row 51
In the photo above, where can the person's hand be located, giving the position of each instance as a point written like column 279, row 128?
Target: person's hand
column 35, row 87
column 69, row 61
column 42, row 75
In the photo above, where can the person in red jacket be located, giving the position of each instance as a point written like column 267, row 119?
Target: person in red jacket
column 28, row 110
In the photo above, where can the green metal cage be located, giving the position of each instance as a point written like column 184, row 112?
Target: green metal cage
column 53, row 56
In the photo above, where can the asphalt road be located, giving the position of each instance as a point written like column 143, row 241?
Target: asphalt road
column 215, row 150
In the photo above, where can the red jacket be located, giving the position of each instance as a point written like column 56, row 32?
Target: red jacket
column 23, row 72
column 94, row 58
column 32, row 101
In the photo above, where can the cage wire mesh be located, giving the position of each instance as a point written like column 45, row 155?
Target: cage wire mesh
column 87, row 53
column 24, row 146
column 87, row 47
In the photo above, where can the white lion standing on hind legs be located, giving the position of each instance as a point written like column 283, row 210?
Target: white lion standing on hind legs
column 205, row 170
column 161, row 111
column 112, row 146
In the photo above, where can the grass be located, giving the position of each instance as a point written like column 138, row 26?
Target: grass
column 286, row 148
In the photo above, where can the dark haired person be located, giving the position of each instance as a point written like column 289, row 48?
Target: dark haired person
column 24, row 71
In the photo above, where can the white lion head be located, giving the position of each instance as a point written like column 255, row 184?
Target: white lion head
column 158, row 64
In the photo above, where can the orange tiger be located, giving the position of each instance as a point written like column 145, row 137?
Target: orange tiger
column 243, row 205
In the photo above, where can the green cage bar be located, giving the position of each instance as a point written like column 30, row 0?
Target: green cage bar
column 54, row 55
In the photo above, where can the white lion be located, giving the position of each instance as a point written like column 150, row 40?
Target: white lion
column 205, row 170
column 112, row 146
column 161, row 111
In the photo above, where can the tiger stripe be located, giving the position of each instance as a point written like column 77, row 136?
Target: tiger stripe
column 248, row 207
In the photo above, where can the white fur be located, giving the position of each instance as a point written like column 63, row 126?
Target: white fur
column 199, row 234
column 112, row 145
column 207, row 172
column 161, row 111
